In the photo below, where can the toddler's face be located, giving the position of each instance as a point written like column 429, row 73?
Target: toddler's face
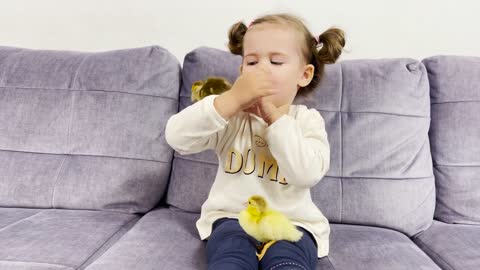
column 277, row 48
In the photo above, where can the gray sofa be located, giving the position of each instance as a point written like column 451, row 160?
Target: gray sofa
column 87, row 180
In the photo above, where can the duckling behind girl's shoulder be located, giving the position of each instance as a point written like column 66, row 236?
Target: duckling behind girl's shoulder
column 209, row 86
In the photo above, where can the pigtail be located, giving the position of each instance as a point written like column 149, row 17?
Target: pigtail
column 235, row 38
column 325, row 49
column 332, row 42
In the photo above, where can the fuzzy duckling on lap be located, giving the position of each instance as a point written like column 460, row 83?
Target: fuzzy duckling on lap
column 266, row 225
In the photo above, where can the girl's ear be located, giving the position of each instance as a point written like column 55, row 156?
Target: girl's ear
column 307, row 75
column 240, row 68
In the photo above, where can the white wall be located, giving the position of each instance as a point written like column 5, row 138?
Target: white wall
column 375, row 28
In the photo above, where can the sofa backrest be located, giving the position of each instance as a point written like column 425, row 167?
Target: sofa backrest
column 377, row 116
column 86, row 130
column 455, row 136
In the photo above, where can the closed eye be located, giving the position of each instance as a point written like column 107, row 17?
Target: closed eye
column 273, row 63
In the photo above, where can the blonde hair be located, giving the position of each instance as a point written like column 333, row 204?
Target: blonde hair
column 332, row 41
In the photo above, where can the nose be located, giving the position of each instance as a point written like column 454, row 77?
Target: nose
column 263, row 66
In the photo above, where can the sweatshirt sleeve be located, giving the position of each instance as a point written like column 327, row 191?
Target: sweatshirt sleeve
column 300, row 147
column 196, row 128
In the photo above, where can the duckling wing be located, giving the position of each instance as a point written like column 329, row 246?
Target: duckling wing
column 276, row 226
column 249, row 225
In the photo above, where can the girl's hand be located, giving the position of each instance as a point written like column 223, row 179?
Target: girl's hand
column 267, row 110
column 250, row 87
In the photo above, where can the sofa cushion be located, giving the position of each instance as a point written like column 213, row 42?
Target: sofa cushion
column 455, row 136
column 452, row 246
column 86, row 130
column 162, row 239
column 57, row 239
column 377, row 116
column 32, row 266
column 175, row 245
column 365, row 247
column 12, row 215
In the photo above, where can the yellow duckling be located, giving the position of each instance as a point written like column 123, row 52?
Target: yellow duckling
column 266, row 225
column 210, row 86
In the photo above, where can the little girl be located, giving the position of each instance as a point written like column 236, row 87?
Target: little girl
column 265, row 145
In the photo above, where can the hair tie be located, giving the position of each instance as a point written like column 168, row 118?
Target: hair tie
column 319, row 44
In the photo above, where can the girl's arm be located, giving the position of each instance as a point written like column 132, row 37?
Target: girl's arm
column 196, row 128
column 300, row 147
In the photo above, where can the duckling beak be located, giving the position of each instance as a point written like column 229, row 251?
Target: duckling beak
column 245, row 204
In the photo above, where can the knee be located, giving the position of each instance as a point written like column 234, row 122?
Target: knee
column 287, row 266
column 285, row 256
column 229, row 228
column 229, row 236
column 290, row 255
column 230, row 248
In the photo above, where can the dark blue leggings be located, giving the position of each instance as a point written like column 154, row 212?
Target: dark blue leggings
column 230, row 248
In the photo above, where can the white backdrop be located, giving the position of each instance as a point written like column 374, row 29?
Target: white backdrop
column 375, row 28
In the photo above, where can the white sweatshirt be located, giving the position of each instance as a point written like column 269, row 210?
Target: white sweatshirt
column 280, row 162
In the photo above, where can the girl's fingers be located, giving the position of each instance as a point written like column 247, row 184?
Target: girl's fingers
column 265, row 110
column 253, row 109
column 257, row 110
column 249, row 109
